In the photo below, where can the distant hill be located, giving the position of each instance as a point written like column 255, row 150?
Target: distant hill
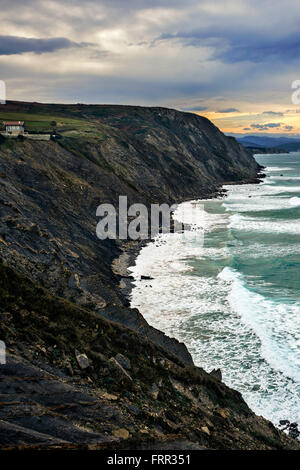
column 258, row 150
column 249, row 143
column 265, row 141
column 289, row 147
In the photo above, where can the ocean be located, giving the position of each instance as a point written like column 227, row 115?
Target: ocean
column 230, row 289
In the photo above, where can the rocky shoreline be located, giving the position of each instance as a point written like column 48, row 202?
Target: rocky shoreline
column 127, row 259
column 131, row 249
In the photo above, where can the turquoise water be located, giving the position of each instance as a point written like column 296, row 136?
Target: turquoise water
column 235, row 299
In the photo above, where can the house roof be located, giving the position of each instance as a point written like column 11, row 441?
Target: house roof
column 13, row 123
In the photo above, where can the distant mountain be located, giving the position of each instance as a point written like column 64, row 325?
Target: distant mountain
column 289, row 147
column 264, row 141
column 249, row 143
column 259, row 150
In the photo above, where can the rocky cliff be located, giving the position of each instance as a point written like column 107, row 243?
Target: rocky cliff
column 74, row 380
column 49, row 192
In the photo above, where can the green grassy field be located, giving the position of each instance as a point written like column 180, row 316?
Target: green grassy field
column 42, row 123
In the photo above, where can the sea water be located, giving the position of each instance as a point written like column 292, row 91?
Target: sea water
column 233, row 295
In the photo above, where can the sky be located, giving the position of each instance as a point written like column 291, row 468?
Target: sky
column 233, row 61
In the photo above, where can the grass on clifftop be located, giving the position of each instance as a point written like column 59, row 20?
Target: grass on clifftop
column 66, row 126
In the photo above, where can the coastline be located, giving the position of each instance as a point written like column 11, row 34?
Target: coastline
column 130, row 252
column 157, row 264
column 69, row 304
column 131, row 249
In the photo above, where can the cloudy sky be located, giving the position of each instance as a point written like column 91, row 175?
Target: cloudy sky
column 231, row 60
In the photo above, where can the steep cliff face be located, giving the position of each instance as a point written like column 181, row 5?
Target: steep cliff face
column 173, row 155
column 157, row 153
column 49, row 192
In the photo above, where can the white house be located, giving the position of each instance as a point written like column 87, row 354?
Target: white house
column 14, row 127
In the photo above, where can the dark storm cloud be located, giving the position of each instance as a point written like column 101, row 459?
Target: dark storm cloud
column 10, row 45
column 110, row 89
column 266, row 126
column 194, row 108
column 228, row 110
column 231, row 44
column 273, row 113
column 264, row 48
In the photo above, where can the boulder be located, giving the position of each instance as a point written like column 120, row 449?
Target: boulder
column 121, row 433
column 82, row 360
column 205, row 430
column 123, row 361
column 109, row 396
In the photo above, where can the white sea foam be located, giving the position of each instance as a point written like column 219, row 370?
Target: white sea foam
column 294, row 201
column 193, row 213
column 283, row 178
column 175, row 248
column 260, row 197
column 258, row 192
column 277, row 168
column 179, row 303
column 257, row 251
column 280, row 340
column 254, row 224
column 257, row 204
